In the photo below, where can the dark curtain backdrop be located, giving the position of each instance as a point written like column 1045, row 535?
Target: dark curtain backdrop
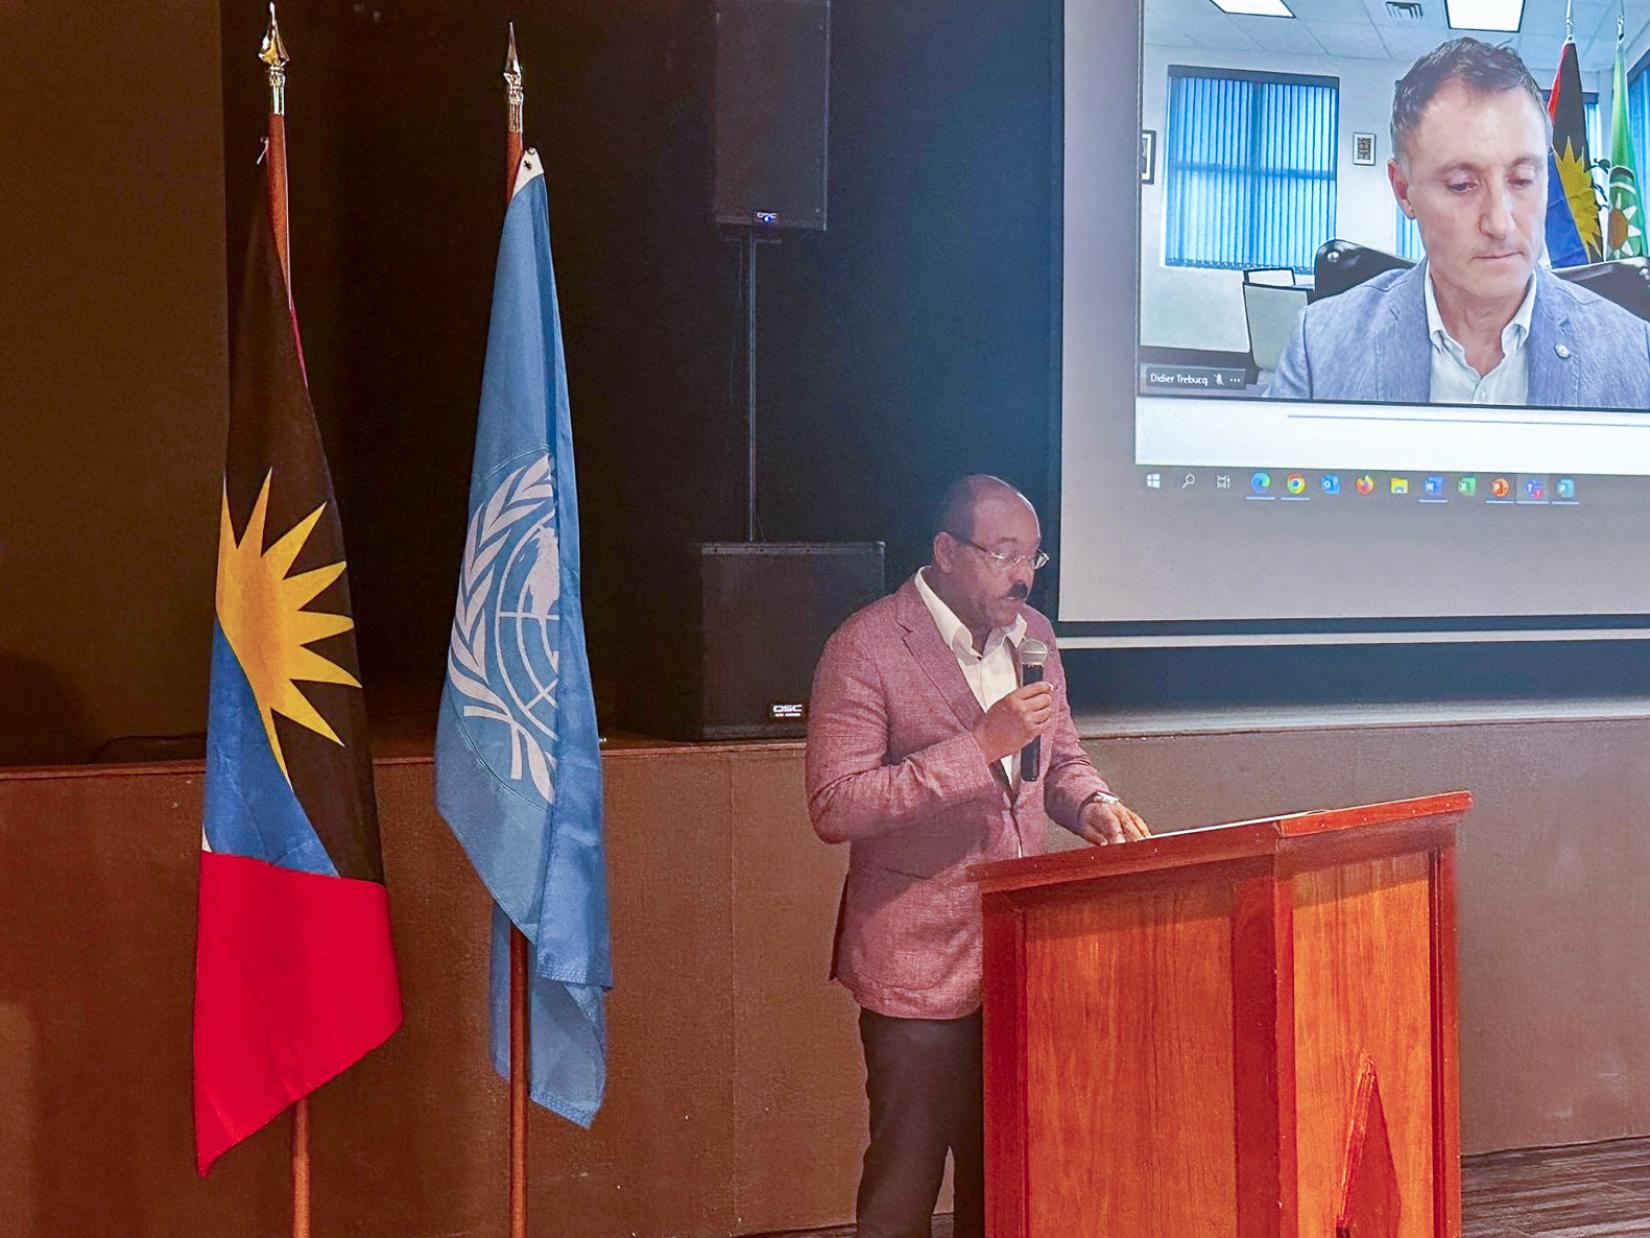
column 907, row 344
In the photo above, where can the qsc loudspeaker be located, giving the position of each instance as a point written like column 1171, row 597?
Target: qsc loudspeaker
column 725, row 635
column 772, row 72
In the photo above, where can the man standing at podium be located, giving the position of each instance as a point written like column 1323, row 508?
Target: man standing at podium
column 918, row 724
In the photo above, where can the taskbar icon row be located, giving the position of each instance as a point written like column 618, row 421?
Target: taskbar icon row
column 1300, row 486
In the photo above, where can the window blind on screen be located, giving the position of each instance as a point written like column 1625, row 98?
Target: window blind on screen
column 1409, row 236
column 1250, row 167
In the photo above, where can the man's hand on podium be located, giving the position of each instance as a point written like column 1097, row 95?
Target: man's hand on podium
column 1103, row 823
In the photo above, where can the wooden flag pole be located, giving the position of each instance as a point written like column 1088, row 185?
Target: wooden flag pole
column 518, row 1083
column 519, row 978
column 300, row 1168
column 273, row 53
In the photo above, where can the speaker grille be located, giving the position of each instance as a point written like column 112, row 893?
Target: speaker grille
column 772, row 111
column 727, row 634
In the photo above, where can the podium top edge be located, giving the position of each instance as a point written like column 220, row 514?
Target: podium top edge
column 1233, row 840
column 1324, row 820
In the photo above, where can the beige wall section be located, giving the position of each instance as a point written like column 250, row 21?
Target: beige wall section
column 113, row 371
column 735, row 1102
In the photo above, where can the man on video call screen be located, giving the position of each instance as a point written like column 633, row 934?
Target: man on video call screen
column 1481, row 319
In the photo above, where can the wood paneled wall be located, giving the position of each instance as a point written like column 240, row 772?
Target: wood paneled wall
column 735, row 1100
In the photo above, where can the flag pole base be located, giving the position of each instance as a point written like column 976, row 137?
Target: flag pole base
column 518, row 1083
column 300, row 1168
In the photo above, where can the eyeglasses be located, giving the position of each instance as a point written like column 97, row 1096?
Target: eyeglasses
column 1037, row 559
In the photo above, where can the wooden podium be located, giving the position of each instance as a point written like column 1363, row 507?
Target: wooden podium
column 1244, row 1031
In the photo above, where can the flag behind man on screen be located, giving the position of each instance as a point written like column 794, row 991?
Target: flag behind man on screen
column 1624, row 230
column 1574, row 236
column 518, row 769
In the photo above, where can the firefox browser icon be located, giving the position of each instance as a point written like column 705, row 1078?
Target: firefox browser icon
column 1365, row 484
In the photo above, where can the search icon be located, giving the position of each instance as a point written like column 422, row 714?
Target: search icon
column 1191, row 480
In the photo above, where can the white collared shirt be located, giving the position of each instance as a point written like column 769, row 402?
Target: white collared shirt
column 991, row 675
column 1456, row 382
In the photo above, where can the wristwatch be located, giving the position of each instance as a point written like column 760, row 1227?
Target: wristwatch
column 1102, row 797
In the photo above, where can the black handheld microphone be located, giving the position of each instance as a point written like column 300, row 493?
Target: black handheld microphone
column 1033, row 653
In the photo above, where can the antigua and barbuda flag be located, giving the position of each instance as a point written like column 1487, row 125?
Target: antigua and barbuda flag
column 295, row 978
column 517, row 761
column 1564, row 247
column 1572, row 202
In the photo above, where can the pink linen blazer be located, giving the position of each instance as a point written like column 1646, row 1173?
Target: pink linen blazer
column 894, row 771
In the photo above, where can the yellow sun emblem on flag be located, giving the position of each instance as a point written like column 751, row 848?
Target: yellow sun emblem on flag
column 261, row 610
column 1578, row 192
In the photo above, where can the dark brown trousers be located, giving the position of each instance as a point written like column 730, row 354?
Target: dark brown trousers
column 922, row 1077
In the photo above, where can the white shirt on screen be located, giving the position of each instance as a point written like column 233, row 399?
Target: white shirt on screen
column 1456, row 382
column 991, row 675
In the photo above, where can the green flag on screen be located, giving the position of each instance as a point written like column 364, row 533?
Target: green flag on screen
column 1624, row 233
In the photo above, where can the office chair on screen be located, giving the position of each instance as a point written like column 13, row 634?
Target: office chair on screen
column 1626, row 281
column 1270, row 310
column 1272, row 277
column 1340, row 265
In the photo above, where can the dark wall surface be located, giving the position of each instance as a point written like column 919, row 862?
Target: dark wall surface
column 907, row 344
column 396, row 140
column 113, row 370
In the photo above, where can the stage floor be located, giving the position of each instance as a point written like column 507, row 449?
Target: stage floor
column 1599, row 1190
column 1590, row 1191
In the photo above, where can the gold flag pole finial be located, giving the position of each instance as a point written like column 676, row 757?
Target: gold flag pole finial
column 512, row 82
column 272, row 51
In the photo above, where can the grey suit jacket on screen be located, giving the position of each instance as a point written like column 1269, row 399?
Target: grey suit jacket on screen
column 1370, row 343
